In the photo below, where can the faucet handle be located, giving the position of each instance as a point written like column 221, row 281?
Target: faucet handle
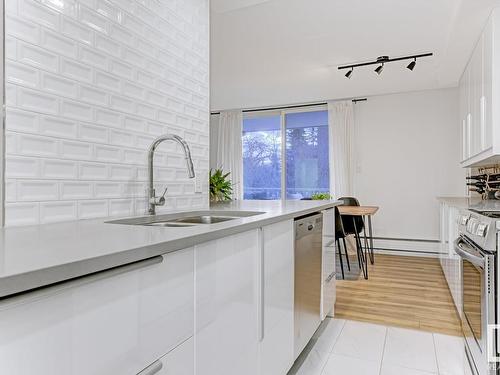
column 159, row 201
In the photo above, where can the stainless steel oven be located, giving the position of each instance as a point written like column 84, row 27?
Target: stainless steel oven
column 478, row 291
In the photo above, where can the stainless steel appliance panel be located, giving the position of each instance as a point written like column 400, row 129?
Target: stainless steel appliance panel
column 308, row 252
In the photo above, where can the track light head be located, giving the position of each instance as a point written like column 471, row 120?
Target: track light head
column 411, row 65
column 379, row 69
column 349, row 73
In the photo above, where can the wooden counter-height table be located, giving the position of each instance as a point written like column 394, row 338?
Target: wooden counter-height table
column 366, row 213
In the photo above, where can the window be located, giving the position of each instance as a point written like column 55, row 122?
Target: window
column 262, row 157
column 306, row 169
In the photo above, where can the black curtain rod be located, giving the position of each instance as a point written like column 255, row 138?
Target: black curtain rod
column 289, row 107
column 386, row 60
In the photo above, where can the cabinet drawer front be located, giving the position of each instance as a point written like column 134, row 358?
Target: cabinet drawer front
column 115, row 325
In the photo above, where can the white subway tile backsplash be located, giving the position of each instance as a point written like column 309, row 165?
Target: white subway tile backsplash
column 121, row 69
column 108, row 153
column 38, row 13
column 92, row 57
column 76, row 70
column 108, row 190
column 32, row 55
column 30, row 190
column 21, row 214
column 92, row 95
column 57, row 43
column 72, row 190
column 122, row 172
column 93, row 133
column 92, row 209
column 16, row 166
column 146, row 110
column 89, row 85
column 117, row 137
column 37, row 146
column 132, row 90
column 107, row 81
column 21, row 120
column 76, row 150
column 57, row 85
column 104, row 8
column 22, row 29
column 37, row 101
column 92, row 19
column 58, row 127
column 134, row 157
column 10, row 191
column 51, row 212
column 107, row 45
column 93, row 171
column 10, row 143
column 76, row 110
column 121, row 103
column 75, row 30
column 59, row 169
column 121, row 207
column 107, row 117
column 10, row 46
column 67, row 7
column 21, row 74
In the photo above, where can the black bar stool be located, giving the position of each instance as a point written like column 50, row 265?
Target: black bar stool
column 340, row 234
column 354, row 225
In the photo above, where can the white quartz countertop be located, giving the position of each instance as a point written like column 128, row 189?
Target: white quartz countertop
column 471, row 203
column 39, row 255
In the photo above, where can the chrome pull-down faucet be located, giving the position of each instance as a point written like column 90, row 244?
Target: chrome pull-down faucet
column 153, row 200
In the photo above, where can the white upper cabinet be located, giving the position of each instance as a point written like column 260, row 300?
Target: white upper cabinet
column 479, row 88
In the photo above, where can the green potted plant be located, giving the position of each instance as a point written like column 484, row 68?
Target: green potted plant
column 320, row 196
column 221, row 188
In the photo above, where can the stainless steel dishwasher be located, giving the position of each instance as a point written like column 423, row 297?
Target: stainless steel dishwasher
column 308, row 253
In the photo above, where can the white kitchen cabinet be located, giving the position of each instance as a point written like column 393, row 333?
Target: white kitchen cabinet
column 226, row 313
column 113, row 322
column 479, row 92
column 276, row 348
column 179, row 361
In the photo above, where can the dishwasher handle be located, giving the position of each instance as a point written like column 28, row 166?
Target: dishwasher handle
column 308, row 225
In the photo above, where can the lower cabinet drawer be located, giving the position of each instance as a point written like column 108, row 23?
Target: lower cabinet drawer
column 179, row 361
column 104, row 324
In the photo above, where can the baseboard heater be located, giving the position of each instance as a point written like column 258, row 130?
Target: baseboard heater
column 407, row 245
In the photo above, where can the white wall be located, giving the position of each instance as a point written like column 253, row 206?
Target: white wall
column 408, row 152
column 90, row 84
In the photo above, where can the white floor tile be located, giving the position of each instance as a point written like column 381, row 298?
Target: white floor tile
column 310, row 362
column 342, row 365
column 361, row 340
column 326, row 336
column 398, row 370
column 450, row 353
column 410, row 349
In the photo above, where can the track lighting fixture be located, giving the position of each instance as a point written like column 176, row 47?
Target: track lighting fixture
column 379, row 69
column 411, row 65
column 382, row 60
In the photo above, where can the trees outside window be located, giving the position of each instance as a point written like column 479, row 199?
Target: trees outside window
column 306, row 155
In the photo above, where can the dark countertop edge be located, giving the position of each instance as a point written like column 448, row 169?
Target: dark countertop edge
column 25, row 282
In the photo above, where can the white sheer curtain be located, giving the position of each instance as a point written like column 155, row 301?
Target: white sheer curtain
column 341, row 141
column 226, row 147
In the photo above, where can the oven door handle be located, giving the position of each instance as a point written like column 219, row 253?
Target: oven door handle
column 465, row 251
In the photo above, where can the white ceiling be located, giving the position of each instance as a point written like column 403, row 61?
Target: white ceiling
column 271, row 52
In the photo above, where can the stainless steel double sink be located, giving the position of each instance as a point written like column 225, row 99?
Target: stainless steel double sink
column 187, row 219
